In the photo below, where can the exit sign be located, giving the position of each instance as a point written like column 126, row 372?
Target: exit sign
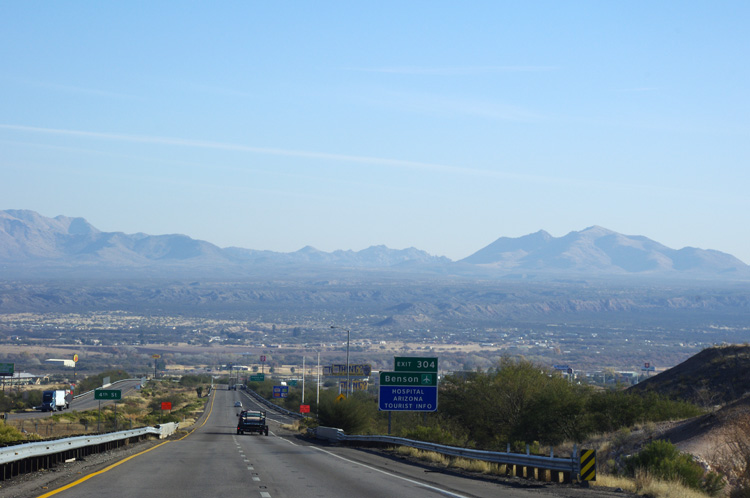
column 415, row 364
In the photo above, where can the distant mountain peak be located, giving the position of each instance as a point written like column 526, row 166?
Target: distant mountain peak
column 30, row 240
column 598, row 250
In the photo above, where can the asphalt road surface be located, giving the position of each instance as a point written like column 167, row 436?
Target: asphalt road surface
column 213, row 461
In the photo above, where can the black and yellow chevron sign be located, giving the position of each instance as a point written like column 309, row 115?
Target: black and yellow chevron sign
column 588, row 465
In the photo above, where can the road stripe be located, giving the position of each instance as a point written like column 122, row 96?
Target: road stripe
column 375, row 469
column 86, row 478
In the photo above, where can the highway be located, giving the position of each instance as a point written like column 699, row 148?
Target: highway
column 213, row 461
column 83, row 403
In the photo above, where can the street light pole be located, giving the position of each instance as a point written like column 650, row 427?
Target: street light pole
column 347, row 358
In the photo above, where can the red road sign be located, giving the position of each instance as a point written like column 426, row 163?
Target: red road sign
column 166, row 405
column 304, row 408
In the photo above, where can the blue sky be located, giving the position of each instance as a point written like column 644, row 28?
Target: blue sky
column 436, row 125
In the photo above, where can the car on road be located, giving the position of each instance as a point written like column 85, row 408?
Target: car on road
column 238, row 404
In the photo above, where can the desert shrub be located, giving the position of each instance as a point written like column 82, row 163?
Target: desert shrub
column 663, row 460
column 9, row 434
column 194, row 380
column 352, row 415
column 740, row 492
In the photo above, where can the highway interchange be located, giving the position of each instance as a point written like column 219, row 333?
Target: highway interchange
column 213, row 460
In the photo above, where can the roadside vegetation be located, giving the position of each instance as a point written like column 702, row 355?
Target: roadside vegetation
column 139, row 410
column 517, row 404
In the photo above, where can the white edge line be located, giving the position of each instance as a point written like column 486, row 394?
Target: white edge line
column 434, row 488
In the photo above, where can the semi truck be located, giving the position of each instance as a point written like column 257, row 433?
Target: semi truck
column 56, row 400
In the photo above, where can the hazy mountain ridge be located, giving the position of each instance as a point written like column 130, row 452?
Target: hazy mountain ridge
column 600, row 250
column 30, row 240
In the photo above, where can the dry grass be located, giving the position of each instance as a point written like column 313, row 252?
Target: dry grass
column 467, row 464
column 294, row 426
column 643, row 484
column 647, row 485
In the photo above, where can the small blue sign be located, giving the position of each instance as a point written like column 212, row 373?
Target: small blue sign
column 280, row 391
column 408, row 398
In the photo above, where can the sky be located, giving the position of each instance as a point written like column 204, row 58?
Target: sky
column 341, row 125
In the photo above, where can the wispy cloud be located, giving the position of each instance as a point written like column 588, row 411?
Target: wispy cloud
column 393, row 163
column 203, row 144
column 454, row 70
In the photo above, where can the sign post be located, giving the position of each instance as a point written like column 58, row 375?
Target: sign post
column 110, row 394
column 155, row 357
column 165, row 405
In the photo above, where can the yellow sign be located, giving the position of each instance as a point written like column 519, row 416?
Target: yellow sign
column 340, row 397
column 588, row 465
column 75, row 358
column 156, row 356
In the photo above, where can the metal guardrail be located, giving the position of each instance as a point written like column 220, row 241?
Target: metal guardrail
column 569, row 465
column 43, row 448
column 257, row 397
column 91, row 391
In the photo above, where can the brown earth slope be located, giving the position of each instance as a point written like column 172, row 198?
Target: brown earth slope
column 715, row 376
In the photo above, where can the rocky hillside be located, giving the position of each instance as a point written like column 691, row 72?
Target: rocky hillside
column 715, row 376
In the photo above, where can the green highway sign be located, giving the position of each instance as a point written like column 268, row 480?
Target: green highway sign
column 108, row 394
column 7, row 369
column 257, row 377
column 408, row 379
column 415, row 364
column 292, row 383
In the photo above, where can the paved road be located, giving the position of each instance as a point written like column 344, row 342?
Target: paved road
column 215, row 461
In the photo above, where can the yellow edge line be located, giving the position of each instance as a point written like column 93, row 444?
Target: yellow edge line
column 86, row 478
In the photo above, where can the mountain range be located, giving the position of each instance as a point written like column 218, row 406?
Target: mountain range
column 32, row 244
